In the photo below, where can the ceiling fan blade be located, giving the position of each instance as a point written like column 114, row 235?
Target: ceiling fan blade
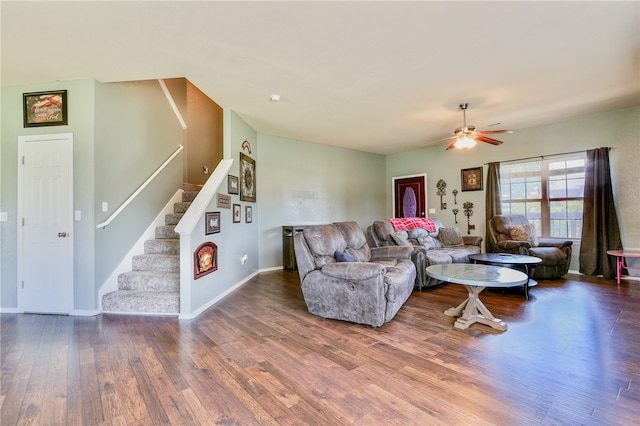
column 442, row 140
column 491, row 132
column 451, row 145
column 488, row 140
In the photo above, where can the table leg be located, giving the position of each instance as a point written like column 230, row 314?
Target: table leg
column 619, row 260
column 473, row 310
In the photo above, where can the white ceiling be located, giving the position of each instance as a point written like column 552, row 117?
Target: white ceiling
column 381, row 77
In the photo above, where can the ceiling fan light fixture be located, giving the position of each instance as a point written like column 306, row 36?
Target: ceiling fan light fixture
column 465, row 142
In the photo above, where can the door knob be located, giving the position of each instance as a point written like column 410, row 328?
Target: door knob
column 62, row 234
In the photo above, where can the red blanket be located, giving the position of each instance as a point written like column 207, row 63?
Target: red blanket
column 407, row 223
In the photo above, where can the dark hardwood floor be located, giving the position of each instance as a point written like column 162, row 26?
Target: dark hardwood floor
column 571, row 356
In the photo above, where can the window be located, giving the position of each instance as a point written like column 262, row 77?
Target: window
column 548, row 192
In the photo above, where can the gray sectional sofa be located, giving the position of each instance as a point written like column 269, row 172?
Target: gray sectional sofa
column 445, row 245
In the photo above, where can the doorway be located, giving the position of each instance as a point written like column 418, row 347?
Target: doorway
column 45, row 223
column 410, row 196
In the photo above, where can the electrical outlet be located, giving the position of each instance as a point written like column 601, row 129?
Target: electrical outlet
column 243, row 259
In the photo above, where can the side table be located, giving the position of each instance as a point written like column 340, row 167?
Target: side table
column 519, row 262
column 620, row 255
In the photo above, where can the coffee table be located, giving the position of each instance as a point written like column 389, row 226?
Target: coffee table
column 520, row 262
column 475, row 278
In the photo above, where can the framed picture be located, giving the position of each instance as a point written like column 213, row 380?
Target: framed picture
column 212, row 223
column 236, row 213
column 247, row 178
column 248, row 214
column 45, row 108
column 472, row 179
column 232, row 184
column 223, row 201
column 205, row 260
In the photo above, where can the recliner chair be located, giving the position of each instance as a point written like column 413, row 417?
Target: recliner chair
column 514, row 234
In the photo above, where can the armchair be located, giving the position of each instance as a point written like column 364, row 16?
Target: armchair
column 514, row 234
column 369, row 288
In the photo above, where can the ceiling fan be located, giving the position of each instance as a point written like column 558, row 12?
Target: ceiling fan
column 468, row 136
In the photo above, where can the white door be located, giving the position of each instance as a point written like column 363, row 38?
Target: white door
column 45, row 242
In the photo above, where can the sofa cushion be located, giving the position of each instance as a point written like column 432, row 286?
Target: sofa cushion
column 461, row 255
column 355, row 240
column 343, row 257
column 524, row 233
column 323, row 241
column 451, row 237
column 429, row 243
column 438, row 257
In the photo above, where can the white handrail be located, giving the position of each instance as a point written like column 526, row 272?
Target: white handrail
column 140, row 189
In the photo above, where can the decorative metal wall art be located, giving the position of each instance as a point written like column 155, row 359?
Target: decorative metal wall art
column 441, row 185
column 468, row 212
column 455, row 193
column 455, row 214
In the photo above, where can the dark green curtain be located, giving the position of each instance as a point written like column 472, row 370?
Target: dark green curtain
column 493, row 203
column 600, row 231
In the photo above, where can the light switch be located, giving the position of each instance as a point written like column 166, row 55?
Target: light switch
column 105, row 206
column 432, row 211
column 78, row 215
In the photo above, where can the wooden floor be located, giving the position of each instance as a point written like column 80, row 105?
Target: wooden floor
column 570, row 356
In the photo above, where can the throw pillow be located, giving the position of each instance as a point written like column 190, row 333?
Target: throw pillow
column 428, row 242
column 417, row 233
column 401, row 238
column 451, row 237
column 343, row 257
column 524, row 233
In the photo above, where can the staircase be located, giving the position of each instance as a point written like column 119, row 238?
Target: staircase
column 153, row 285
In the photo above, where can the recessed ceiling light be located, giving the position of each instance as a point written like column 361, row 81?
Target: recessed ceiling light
column 275, row 98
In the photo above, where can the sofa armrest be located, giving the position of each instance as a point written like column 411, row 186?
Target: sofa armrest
column 472, row 240
column 550, row 242
column 353, row 271
column 512, row 246
column 395, row 252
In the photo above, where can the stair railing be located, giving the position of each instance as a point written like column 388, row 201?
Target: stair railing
column 140, row 189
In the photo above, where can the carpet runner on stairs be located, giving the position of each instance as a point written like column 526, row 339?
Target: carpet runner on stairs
column 153, row 284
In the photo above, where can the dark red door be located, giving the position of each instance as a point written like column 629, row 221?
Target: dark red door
column 410, row 197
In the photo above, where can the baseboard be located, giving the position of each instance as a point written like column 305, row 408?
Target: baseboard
column 83, row 313
column 10, row 311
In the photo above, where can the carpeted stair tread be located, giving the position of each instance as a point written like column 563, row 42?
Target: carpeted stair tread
column 180, row 207
column 166, row 232
column 153, row 302
column 149, row 281
column 156, row 262
column 163, row 246
column 173, row 218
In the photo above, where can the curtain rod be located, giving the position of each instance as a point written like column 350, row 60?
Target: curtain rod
column 545, row 156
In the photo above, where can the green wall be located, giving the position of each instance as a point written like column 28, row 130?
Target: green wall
column 302, row 183
column 619, row 130
column 81, row 98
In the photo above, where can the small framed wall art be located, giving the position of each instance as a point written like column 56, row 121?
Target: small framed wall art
column 212, row 223
column 232, row 184
column 236, row 213
column 205, row 260
column 45, row 108
column 223, row 201
column 248, row 214
column 471, row 179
